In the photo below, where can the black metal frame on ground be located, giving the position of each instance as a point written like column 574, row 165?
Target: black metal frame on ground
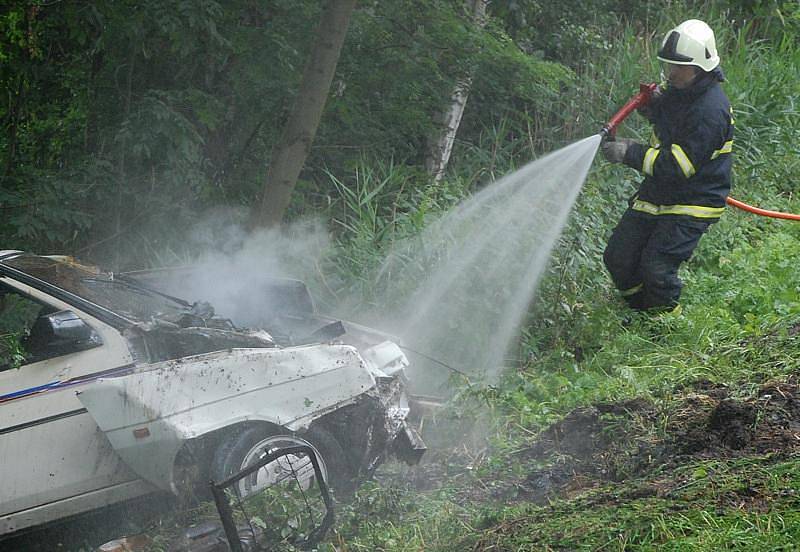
column 226, row 512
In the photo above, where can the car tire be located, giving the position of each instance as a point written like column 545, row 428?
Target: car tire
column 245, row 447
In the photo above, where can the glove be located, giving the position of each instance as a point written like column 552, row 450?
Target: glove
column 614, row 151
column 647, row 110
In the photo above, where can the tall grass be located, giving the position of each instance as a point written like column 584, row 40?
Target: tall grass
column 581, row 345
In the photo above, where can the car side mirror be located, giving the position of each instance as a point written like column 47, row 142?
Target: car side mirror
column 67, row 332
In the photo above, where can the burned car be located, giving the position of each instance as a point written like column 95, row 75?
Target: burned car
column 111, row 388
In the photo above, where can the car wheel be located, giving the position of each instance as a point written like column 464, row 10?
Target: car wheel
column 245, row 448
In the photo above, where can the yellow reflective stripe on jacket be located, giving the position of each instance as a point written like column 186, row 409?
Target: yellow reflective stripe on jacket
column 631, row 291
column 650, row 160
column 698, row 211
column 683, row 161
column 727, row 147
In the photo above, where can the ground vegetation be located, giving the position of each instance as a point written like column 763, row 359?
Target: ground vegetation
column 609, row 430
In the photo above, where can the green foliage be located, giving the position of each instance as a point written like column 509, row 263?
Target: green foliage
column 125, row 120
column 122, row 122
column 381, row 518
column 12, row 355
column 17, row 315
column 573, row 34
column 123, row 117
column 376, row 207
column 582, row 346
column 710, row 511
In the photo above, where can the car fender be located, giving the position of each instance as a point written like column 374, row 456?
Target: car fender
column 150, row 413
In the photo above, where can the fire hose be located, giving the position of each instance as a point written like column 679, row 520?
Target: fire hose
column 758, row 211
column 641, row 99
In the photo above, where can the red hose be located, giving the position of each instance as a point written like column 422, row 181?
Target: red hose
column 762, row 212
column 639, row 100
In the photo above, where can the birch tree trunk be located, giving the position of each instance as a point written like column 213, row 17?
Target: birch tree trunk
column 291, row 151
column 441, row 146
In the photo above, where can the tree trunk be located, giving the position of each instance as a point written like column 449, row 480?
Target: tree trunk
column 291, row 151
column 441, row 146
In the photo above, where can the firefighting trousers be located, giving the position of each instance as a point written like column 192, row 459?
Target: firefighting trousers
column 644, row 253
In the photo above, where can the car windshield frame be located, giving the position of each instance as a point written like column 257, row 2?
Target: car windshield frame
column 126, row 299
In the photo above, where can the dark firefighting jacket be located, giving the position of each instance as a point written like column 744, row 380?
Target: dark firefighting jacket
column 687, row 165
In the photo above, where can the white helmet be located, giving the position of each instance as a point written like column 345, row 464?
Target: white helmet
column 690, row 43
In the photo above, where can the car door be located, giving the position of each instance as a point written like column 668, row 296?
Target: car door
column 51, row 450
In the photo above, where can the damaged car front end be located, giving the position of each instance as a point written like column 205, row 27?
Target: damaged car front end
column 171, row 395
column 152, row 413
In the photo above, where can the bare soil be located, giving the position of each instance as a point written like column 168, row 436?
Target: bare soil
column 632, row 439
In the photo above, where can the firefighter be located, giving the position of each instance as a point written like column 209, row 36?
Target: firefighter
column 686, row 168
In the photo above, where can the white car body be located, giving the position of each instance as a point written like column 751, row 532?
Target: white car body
column 93, row 427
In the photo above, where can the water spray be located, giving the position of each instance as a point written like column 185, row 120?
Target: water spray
column 470, row 276
column 641, row 99
column 439, row 363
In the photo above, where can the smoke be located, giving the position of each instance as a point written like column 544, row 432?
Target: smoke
column 234, row 265
column 457, row 293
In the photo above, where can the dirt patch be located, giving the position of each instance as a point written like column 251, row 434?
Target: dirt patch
column 598, row 441
column 619, row 441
